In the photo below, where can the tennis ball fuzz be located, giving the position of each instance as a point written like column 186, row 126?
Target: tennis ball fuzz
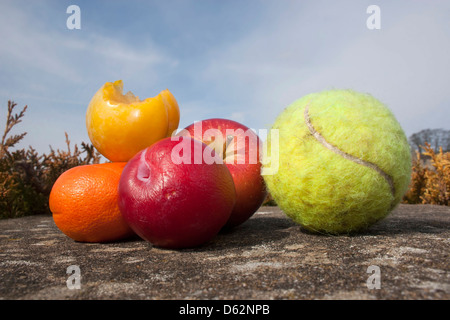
column 344, row 162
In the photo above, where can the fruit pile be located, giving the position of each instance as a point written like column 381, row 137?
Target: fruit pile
column 173, row 190
column 341, row 163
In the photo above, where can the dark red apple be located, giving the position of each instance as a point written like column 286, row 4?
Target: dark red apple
column 172, row 198
column 240, row 148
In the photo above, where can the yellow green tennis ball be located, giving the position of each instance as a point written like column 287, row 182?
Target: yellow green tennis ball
column 343, row 164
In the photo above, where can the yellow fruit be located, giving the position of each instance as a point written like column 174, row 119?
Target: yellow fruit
column 120, row 125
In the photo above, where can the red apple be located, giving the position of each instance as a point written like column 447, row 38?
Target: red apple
column 172, row 198
column 240, row 148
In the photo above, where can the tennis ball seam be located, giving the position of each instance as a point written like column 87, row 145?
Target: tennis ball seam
column 345, row 155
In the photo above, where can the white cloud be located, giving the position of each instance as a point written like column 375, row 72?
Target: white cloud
column 405, row 64
column 56, row 72
column 290, row 49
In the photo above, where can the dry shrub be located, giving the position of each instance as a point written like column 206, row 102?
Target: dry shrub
column 26, row 177
column 430, row 184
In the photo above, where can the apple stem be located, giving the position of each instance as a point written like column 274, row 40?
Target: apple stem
column 229, row 139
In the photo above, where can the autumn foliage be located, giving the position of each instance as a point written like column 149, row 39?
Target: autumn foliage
column 26, row 177
column 430, row 180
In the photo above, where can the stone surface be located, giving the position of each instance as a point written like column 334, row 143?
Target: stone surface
column 268, row 257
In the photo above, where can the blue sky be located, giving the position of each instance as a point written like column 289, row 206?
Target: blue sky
column 244, row 60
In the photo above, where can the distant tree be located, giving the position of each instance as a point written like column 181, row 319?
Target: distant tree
column 436, row 138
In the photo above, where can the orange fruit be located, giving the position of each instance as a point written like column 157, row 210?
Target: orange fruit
column 84, row 202
column 120, row 125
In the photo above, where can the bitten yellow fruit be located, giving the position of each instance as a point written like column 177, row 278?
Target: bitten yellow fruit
column 344, row 162
column 120, row 125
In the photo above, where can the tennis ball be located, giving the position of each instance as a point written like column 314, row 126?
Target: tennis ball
column 344, row 162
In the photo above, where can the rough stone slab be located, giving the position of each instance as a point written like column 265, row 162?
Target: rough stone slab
column 268, row 257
